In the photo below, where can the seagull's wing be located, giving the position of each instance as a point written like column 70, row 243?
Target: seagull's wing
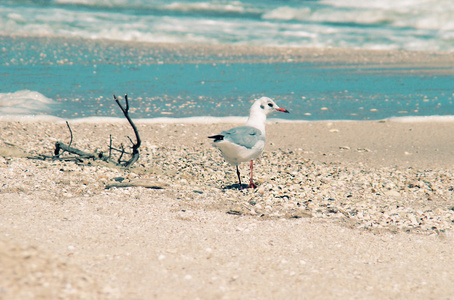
column 245, row 136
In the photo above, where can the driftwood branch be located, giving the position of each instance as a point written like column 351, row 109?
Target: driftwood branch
column 71, row 132
column 136, row 145
column 80, row 156
column 138, row 183
column 59, row 146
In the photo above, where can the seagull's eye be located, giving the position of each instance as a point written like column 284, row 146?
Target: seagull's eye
column 270, row 104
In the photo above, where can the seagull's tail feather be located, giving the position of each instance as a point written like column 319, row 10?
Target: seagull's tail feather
column 216, row 138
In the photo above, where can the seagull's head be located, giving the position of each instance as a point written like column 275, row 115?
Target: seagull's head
column 267, row 106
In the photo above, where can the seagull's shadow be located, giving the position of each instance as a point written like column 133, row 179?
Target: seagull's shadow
column 235, row 186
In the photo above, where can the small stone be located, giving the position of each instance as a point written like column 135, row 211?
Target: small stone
column 392, row 194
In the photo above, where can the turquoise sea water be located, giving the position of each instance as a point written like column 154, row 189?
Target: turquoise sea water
column 54, row 59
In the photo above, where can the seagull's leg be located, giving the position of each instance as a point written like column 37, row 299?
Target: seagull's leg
column 239, row 178
column 251, row 183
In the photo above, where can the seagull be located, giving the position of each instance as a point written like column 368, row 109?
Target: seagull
column 246, row 143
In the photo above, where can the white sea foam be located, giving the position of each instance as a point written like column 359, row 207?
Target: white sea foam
column 234, row 6
column 190, row 120
column 30, row 119
column 369, row 24
column 208, row 120
column 422, row 119
column 24, row 102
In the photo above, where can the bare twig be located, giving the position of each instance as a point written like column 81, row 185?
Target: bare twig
column 110, row 147
column 121, row 154
column 60, row 146
column 80, row 155
column 136, row 145
column 138, row 183
column 71, row 132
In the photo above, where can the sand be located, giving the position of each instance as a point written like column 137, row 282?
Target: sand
column 343, row 210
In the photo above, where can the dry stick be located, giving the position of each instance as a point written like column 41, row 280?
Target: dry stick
column 110, row 147
column 71, row 132
column 61, row 147
column 121, row 154
column 135, row 146
column 58, row 144
column 146, row 183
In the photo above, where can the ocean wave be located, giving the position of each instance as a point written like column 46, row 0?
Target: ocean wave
column 422, row 119
column 387, row 24
column 418, row 14
column 207, row 120
column 219, row 7
column 328, row 15
column 24, row 102
column 223, row 8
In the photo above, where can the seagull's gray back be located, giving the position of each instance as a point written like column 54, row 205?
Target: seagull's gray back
column 245, row 136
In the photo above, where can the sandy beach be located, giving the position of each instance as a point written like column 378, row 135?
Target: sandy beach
column 354, row 196
column 342, row 210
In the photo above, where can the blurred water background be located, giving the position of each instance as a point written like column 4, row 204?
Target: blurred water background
column 54, row 58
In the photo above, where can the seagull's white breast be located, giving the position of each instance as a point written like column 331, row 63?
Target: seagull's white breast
column 236, row 154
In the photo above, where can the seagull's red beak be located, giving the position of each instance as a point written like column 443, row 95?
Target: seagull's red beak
column 282, row 110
